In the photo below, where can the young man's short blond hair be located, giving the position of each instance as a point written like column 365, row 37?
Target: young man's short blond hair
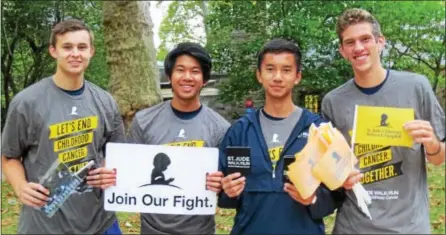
column 356, row 16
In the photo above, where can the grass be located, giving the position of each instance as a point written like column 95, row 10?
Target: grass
column 130, row 221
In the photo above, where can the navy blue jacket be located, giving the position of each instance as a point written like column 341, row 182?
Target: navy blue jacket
column 264, row 207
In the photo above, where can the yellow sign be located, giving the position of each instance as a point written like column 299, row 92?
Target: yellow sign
column 336, row 164
column 382, row 126
column 300, row 170
column 312, row 103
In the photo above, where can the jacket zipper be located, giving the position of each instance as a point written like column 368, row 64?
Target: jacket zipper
column 274, row 170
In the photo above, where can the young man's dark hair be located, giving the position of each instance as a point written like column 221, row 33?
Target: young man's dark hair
column 70, row 25
column 277, row 46
column 191, row 49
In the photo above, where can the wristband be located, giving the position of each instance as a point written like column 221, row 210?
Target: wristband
column 436, row 152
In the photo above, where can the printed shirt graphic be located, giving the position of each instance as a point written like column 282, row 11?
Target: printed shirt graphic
column 71, row 140
column 182, row 140
column 375, row 162
column 275, row 147
column 74, row 110
column 182, row 134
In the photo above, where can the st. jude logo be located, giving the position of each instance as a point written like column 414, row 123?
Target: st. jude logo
column 160, row 163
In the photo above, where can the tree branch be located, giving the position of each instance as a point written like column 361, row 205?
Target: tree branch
column 417, row 57
column 32, row 44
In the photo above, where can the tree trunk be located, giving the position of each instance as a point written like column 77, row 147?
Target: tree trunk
column 205, row 10
column 436, row 77
column 131, row 56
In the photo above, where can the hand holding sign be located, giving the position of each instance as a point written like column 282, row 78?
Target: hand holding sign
column 422, row 132
column 238, row 160
column 101, row 177
column 213, row 181
column 353, row 178
column 327, row 158
column 292, row 191
column 233, row 184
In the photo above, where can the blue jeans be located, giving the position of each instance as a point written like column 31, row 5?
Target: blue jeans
column 114, row 229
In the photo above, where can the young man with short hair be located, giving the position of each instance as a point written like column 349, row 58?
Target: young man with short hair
column 264, row 203
column 68, row 118
column 400, row 202
column 183, row 121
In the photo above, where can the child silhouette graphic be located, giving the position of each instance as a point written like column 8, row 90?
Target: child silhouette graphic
column 160, row 163
column 384, row 120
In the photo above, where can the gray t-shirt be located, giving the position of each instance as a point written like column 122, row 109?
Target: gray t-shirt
column 276, row 133
column 158, row 125
column 44, row 124
column 395, row 177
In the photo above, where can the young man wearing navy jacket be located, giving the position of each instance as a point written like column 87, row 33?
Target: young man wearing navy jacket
column 264, row 203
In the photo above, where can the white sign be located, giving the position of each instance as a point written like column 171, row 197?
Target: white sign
column 161, row 179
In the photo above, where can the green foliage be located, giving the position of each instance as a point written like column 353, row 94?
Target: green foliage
column 181, row 24
column 415, row 36
column 97, row 71
column 237, row 30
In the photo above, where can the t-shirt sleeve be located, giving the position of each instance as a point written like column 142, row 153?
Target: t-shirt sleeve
column 221, row 131
column 135, row 134
column 118, row 132
column 432, row 110
column 15, row 134
column 326, row 109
